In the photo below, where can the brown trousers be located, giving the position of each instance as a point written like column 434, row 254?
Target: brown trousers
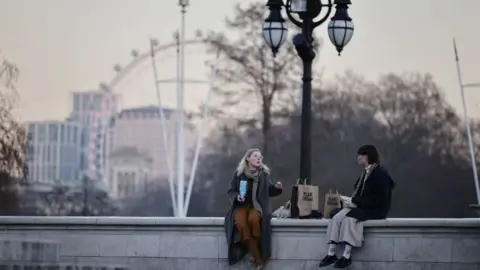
column 247, row 221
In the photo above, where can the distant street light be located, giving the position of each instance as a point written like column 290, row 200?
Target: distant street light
column 340, row 32
column 180, row 143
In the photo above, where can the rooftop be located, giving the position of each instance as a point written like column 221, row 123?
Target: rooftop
column 150, row 109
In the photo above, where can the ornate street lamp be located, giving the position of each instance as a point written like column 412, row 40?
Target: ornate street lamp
column 340, row 32
column 275, row 28
column 340, row 28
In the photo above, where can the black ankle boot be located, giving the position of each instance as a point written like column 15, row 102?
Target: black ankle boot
column 328, row 260
column 343, row 262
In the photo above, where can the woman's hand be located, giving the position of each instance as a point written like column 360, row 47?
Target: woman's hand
column 345, row 200
column 278, row 185
column 240, row 199
column 350, row 205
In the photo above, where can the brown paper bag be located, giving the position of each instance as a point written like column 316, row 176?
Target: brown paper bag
column 332, row 201
column 307, row 199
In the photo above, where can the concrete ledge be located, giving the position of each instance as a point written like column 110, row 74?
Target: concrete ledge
column 22, row 249
column 199, row 243
column 218, row 221
column 58, row 266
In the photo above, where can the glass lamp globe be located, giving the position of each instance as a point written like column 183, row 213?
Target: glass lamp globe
column 274, row 28
column 275, row 34
column 340, row 29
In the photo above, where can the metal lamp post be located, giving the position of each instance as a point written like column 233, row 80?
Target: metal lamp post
column 469, row 135
column 340, row 32
column 467, row 121
column 180, row 155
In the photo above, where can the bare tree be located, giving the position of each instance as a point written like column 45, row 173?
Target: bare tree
column 87, row 199
column 153, row 202
column 13, row 137
column 253, row 82
column 413, row 109
column 419, row 136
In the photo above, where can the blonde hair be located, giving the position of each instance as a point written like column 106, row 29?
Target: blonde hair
column 243, row 164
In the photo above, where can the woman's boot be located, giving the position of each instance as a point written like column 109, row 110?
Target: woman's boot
column 259, row 265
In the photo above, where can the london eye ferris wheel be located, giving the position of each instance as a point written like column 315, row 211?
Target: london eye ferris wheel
column 98, row 167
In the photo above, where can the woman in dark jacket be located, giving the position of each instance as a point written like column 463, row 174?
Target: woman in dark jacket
column 247, row 224
column 371, row 199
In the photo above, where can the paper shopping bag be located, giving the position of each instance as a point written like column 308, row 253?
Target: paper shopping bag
column 332, row 202
column 307, row 199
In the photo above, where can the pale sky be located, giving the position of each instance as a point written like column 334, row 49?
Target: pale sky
column 71, row 45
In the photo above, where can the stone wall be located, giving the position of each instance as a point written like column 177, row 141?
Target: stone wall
column 199, row 243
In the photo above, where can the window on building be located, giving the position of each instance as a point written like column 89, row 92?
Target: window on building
column 55, row 170
column 36, row 174
column 31, row 133
column 72, row 154
column 42, row 133
column 97, row 101
column 30, row 148
column 66, row 172
column 45, row 174
column 44, row 153
column 63, row 134
column 83, row 161
column 110, row 180
column 85, row 102
column 76, row 174
column 49, row 154
column 31, row 171
column 52, row 132
column 75, row 134
column 54, row 149
column 68, row 134
column 52, row 173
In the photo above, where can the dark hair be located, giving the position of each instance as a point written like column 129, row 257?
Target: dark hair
column 371, row 152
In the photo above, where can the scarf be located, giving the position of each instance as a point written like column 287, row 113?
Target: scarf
column 363, row 178
column 254, row 175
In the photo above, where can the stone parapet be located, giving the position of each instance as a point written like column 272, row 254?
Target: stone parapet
column 199, row 243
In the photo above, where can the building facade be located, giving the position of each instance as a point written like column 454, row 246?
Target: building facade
column 89, row 105
column 95, row 110
column 54, row 151
column 141, row 129
column 129, row 172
